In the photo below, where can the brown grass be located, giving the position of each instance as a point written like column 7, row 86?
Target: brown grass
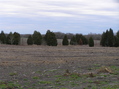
column 11, row 55
column 104, row 69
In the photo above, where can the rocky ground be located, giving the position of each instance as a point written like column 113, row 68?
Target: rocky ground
column 61, row 67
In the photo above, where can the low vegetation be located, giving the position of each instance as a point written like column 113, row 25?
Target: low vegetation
column 100, row 78
column 62, row 67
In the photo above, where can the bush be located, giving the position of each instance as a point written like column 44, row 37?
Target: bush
column 10, row 38
column 109, row 39
column 2, row 37
column 50, row 38
column 73, row 41
column 16, row 39
column 65, row 40
column 30, row 40
column 37, row 38
column 91, row 42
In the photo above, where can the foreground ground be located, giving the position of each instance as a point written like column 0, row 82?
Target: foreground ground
column 62, row 67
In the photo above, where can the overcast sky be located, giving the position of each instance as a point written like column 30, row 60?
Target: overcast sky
column 68, row 16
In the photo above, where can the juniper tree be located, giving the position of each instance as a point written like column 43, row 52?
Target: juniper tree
column 16, row 39
column 73, row 41
column 65, row 40
column 117, row 38
column 117, row 34
column 116, row 41
column 91, row 42
column 81, row 40
column 50, row 38
column 10, row 38
column 37, row 38
column 111, row 38
column 30, row 40
column 103, row 39
column 2, row 37
column 108, row 38
column 84, row 40
column 78, row 39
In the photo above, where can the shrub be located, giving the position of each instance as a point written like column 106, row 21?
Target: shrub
column 37, row 38
column 50, row 38
column 73, row 41
column 65, row 40
column 30, row 40
column 91, row 42
column 16, row 39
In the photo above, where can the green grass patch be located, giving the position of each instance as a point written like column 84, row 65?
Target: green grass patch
column 39, row 72
column 13, row 74
column 35, row 77
column 25, row 79
column 9, row 85
column 57, row 76
column 63, row 88
column 45, row 82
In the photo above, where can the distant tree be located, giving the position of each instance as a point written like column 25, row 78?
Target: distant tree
column 37, row 38
column 81, row 40
column 53, row 40
column 108, row 39
column 78, row 39
column 73, row 41
column 47, row 35
column 10, row 38
column 69, row 35
column 65, row 40
column 30, row 40
column 116, row 41
column 103, row 39
column 2, row 37
column 50, row 38
column 117, row 34
column 84, row 40
column 59, row 35
column 91, row 42
column 16, row 39
column 111, row 38
column 94, row 36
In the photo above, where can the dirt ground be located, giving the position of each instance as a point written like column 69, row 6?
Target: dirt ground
column 61, row 67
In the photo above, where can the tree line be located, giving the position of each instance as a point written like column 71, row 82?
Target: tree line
column 109, row 39
column 11, row 38
column 60, row 35
column 37, row 39
column 50, row 39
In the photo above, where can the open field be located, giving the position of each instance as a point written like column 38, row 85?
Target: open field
column 61, row 67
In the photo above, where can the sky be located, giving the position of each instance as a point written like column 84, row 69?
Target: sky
column 67, row 16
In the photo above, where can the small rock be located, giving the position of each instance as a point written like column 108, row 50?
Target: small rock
column 50, row 87
column 101, row 77
column 33, row 72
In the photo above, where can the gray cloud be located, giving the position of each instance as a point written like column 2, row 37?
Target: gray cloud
column 58, row 14
column 72, row 8
column 117, row 1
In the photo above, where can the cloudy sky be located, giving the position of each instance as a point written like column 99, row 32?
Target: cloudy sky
column 68, row 16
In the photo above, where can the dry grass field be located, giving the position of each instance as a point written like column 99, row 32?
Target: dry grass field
column 61, row 67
